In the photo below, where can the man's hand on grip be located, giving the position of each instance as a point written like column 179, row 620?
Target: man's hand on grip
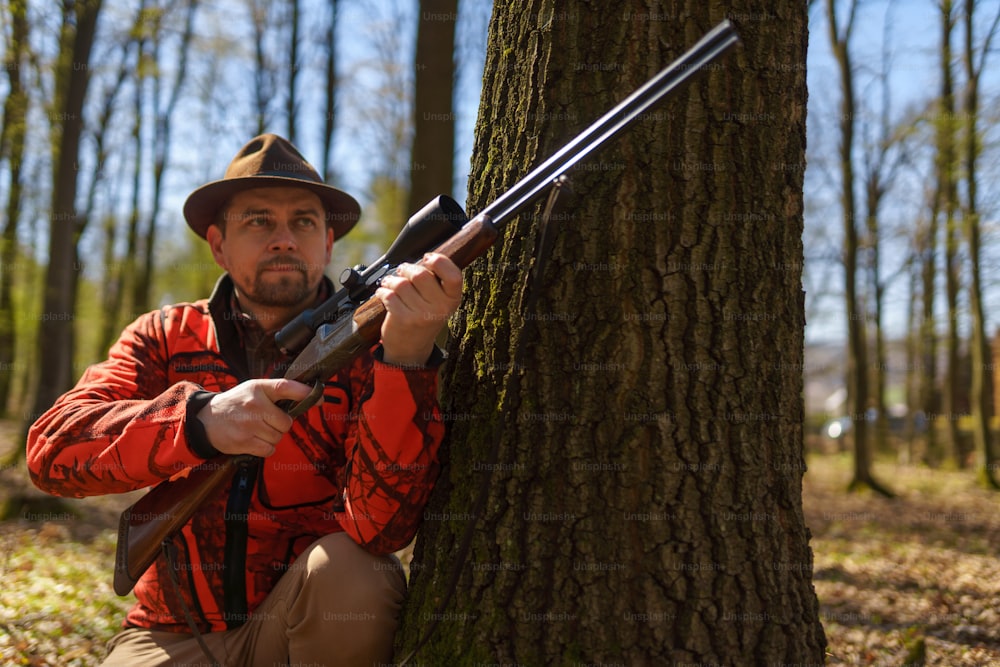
column 246, row 419
column 418, row 299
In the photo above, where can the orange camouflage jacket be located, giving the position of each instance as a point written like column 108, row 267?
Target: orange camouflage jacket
column 363, row 461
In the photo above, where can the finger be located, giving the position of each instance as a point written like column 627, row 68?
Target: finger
column 262, row 448
column 274, row 425
column 387, row 297
column 400, row 293
column 446, row 271
column 265, row 408
column 427, row 284
column 268, row 435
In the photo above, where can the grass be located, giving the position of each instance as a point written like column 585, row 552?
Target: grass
column 56, row 606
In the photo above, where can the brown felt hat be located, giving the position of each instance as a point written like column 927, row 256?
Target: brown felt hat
column 269, row 161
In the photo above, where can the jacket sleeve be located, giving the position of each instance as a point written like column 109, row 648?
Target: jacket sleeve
column 392, row 457
column 121, row 428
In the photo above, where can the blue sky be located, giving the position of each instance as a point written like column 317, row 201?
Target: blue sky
column 907, row 33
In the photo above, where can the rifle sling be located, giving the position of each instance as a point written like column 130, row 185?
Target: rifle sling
column 169, row 553
column 234, row 583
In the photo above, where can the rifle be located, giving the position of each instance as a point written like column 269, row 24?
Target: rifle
column 349, row 323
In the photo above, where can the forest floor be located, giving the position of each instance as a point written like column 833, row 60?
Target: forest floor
column 909, row 581
column 912, row 580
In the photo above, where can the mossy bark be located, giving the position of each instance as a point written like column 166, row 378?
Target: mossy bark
column 645, row 507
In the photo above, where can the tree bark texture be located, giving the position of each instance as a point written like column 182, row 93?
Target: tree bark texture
column 645, row 506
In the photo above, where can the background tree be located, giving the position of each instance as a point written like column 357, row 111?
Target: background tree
column 56, row 335
column 265, row 70
column 645, row 507
column 908, row 451
column 329, row 87
column 161, row 38
column 378, row 100
column 946, row 194
column 857, row 340
column 913, row 224
column 930, row 396
column 979, row 393
column 12, row 142
column 127, row 271
column 433, row 154
column 291, row 101
column 167, row 85
column 110, row 270
column 883, row 154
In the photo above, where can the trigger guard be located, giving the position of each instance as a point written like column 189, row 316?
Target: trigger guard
column 314, row 397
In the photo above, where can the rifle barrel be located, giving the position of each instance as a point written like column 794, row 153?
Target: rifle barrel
column 681, row 71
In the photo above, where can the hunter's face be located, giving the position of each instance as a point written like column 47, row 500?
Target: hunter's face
column 275, row 245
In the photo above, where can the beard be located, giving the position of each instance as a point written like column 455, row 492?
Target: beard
column 288, row 288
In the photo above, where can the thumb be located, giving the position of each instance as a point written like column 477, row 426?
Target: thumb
column 283, row 389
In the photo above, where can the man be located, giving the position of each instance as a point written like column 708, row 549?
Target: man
column 291, row 563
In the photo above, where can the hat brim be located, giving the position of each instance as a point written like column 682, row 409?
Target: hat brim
column 203, row 205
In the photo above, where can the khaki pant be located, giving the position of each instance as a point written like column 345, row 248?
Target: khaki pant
column 336, row 605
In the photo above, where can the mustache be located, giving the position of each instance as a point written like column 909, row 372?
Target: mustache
column 284, row 260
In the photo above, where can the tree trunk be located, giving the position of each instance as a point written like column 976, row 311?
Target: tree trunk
column 929, row 395
column 433, row 154
column 128, row 274
column 12, row 135
column 907, row 454
column 646, row 504
column 979, row 391
column 162, row 126
column 113, row 271
column 330, row 91
column 873, row 199
column 879, row 173
column 110, row 299
column 857, row 340
column 949, row 192
column 55, row 337
column 263, row 75
column 291, row 104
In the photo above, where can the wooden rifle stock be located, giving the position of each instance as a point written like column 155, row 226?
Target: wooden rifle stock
column 161, row 513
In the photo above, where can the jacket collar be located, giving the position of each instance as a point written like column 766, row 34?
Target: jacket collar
column 220, row 308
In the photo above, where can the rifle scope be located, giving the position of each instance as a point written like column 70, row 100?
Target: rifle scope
column 425, row 230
